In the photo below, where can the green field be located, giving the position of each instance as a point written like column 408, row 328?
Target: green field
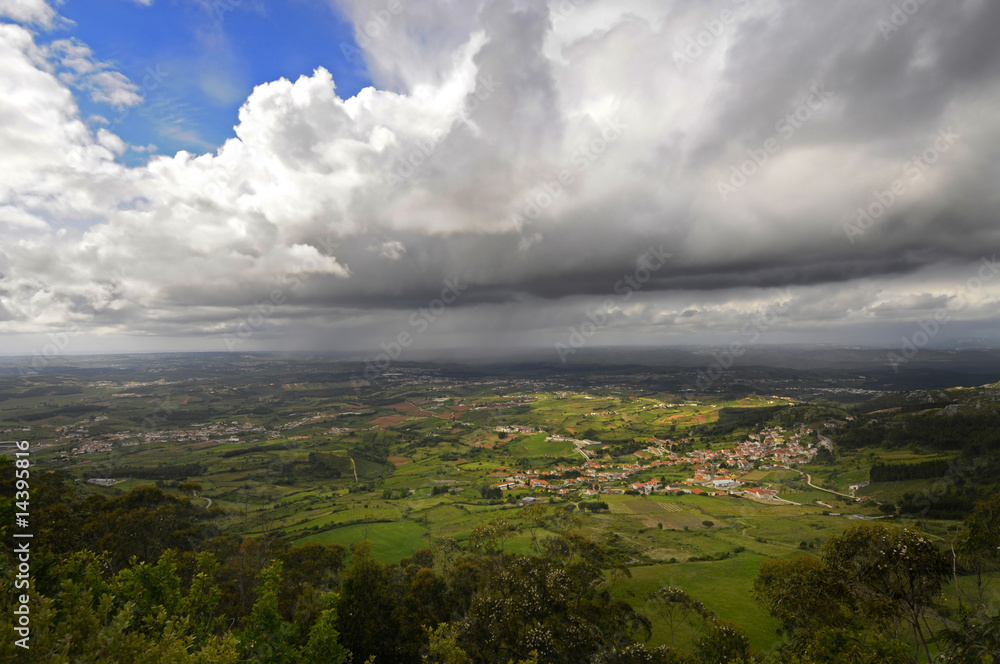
column 391, row 542
column 536, row 446
column 724, row 586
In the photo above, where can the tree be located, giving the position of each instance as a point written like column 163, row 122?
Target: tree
column 976, row 640
column 490, row 493
column 556, row 604
column 189, row 488
column 308, row 568
column 139, row 615
column 443, row 646
column 490, row 538
column 979, row 544
column 725, row 643
column 680, row 610
column 323, row 646
column 977, row 636
column 265, row 636
column 801, row 594
column 891, row 574
column 824, row 456
column 203, row 599
column 366, row 608
column 872, row 580
column 425, row 604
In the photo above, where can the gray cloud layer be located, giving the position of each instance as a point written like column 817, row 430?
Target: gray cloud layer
column 837, row 161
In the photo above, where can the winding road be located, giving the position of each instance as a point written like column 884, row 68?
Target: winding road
column 827, row 443
column 819, row 488
column 208, row 504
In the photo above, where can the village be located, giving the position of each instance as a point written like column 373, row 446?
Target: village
column 217, row 433
column 715, row 472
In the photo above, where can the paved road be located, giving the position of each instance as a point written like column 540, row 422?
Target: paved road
column 809, row 481
column 826, row 442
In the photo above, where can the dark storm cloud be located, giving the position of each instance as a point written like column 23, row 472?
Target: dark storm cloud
column 535, row 155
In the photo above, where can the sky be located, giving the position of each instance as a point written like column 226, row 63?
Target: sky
column 402, row 177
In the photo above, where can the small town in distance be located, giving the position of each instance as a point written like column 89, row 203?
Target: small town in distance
column 716, row 472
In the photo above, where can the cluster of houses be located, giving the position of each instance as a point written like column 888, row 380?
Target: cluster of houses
column 91, row 447
column 716, row 472
column 513, row 429
column 87, row 444
column 504, row 405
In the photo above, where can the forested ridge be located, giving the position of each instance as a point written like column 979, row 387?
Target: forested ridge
column 895, row 472
column 962, row 428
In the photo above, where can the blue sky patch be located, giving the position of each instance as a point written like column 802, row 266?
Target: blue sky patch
column 196, row 61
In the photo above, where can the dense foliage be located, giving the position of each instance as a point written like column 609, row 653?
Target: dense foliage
column 895, row 472
column 935, row 429
column 874, row 596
